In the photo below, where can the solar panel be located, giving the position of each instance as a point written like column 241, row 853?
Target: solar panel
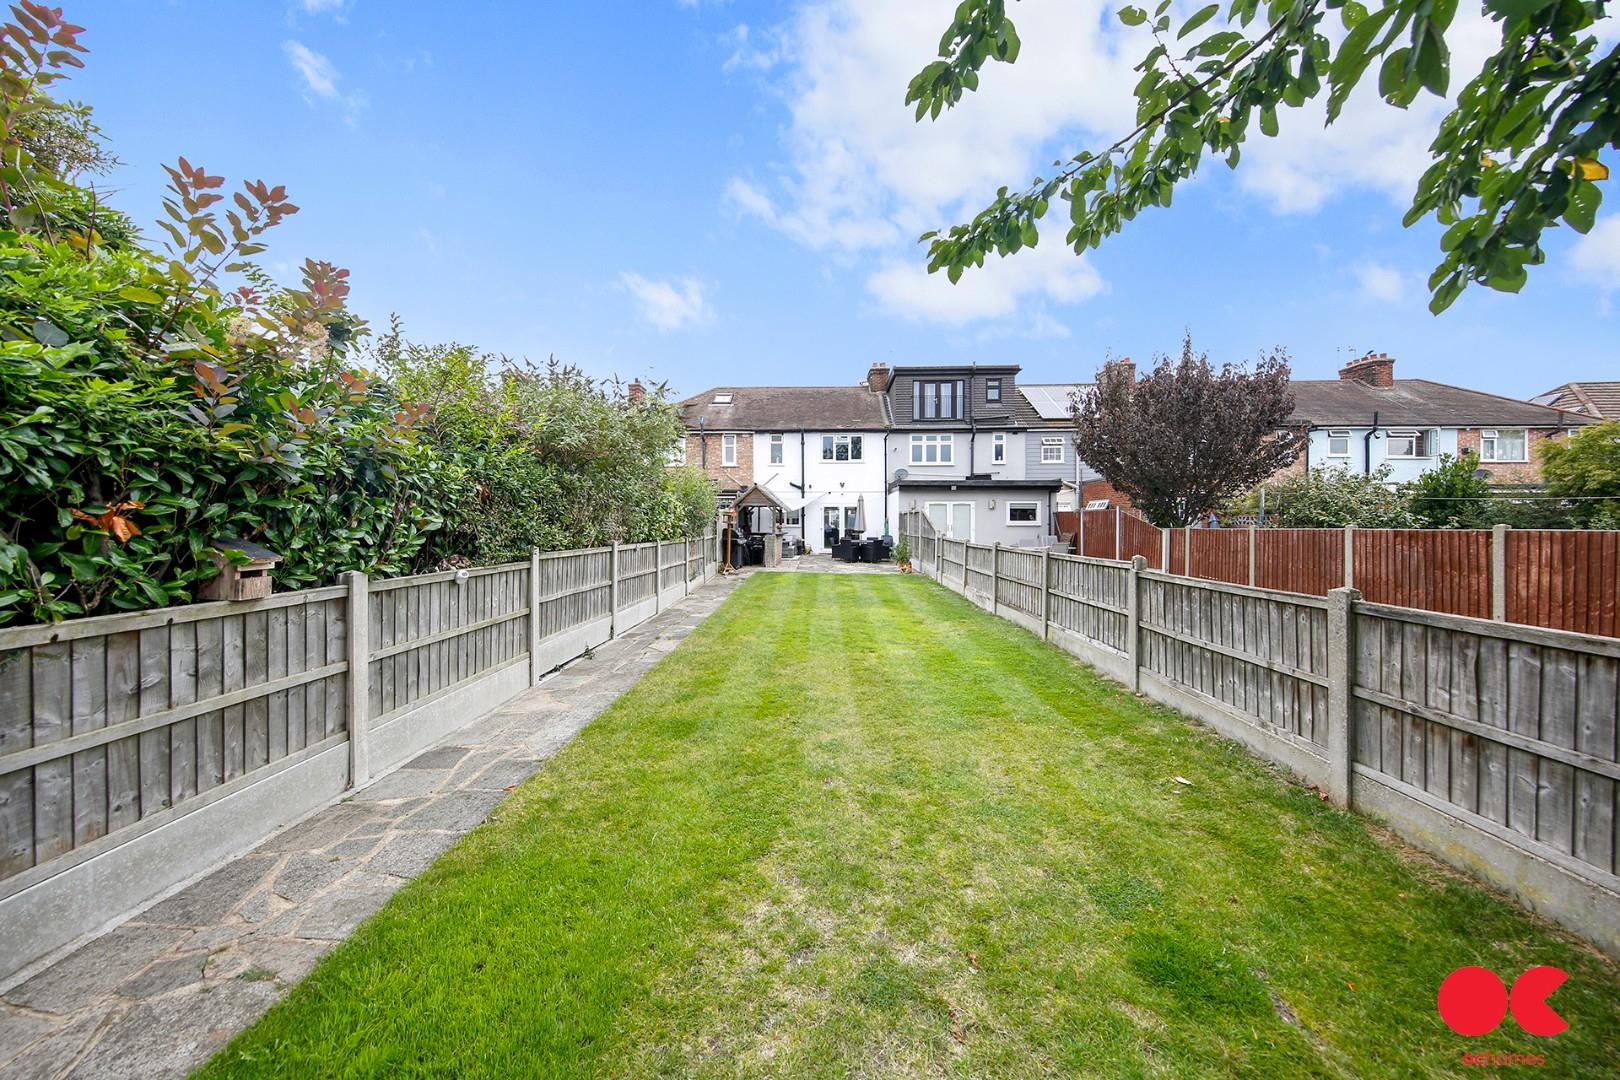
column 1051, row 402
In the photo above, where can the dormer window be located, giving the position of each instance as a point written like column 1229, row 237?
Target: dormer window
column 936, row 400
column 992, row 389
column 723, row 399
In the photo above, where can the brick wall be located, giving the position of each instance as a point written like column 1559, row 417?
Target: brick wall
column 705, row 453
column 1509, row 472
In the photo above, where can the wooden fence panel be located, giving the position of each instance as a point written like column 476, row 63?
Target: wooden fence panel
column 1088, row 600
column 636, row 569
column 1309, row 561
column 1097, row 534
column 1564, row 579
column 1499, row 723
column 104, row 722
column 431, row 632
column 1262, row 656
column 978, row 570
column 1220, row 554
column 1433, row 569
column 1020, row 585
column 1139, row 537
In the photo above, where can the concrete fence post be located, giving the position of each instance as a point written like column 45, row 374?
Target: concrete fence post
column 1046, row 593
column 1499, row 572
column 1186, row 552
column 1251, row 554
column 357, row 677
column 965, row 561
column 1164, row 550
column 686, row 567
column 1133, row 621
column 939, row 558
column 534, row 616
column 1341, row 659
column 658, row 575
column 613, row 590
column 1118, row 540
column 1349, row 556
column 995, row 577
column 1080, row 533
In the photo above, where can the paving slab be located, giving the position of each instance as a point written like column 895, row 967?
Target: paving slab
column 156, row 996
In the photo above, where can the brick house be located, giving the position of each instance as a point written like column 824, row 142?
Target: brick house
column 1596, row 399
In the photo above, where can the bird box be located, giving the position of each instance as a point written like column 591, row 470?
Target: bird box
column 238, row 580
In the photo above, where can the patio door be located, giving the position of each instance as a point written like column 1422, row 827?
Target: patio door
column 952, row 519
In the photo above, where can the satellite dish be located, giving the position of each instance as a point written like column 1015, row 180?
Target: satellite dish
column 900, row 474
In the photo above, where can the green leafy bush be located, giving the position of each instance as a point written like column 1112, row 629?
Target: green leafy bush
column 1585, row 469
column 1329, row 497
column 1452, row 495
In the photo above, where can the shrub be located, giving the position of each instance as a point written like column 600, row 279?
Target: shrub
column 1585, row 469
column 1452, row 495
column 1330, row 497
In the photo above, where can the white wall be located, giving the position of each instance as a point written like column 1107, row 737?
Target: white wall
column 1401, row 469
column 828, row 484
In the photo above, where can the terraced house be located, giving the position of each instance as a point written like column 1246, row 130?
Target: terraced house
column 962, row 443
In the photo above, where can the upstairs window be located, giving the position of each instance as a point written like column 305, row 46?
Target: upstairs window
column 1051, row 449
column 723, row 399
column 841, row 447
column 1409, row 444
column 776, row 449
column 932, row 449
column 728, row 449
column 1338, row 444
column 1503, row 444
column 998, row 449
column 992, row 389
column 936, row 400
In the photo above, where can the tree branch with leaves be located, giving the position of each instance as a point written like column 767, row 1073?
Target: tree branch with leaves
column 1517, row 154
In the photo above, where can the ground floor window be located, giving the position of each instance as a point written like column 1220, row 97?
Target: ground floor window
column 1023, row 513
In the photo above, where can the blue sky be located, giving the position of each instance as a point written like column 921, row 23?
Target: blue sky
column 728, row 192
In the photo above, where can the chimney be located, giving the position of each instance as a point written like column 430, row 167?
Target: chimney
column 1127, row 365
column 1374, row 369
column 638, row 393
column 877, row 378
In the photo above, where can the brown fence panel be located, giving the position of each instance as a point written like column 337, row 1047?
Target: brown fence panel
column 1068, row 524
column 1220, row 554
column 1098, row 534
column 1432, row 569
column 1299, row 560
column 1139, row 537
column 1566, row 580
column 1178, row 552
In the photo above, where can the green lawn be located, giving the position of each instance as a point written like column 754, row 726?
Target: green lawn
column 854, row 826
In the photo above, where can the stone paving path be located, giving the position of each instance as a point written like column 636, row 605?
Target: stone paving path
column 156, row 996
column 826, row 564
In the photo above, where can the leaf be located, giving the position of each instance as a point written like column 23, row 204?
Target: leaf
column 1581, row 212
column 1202, row 16
column 140, row 295
column 1588, row 169
column 49, row 334
column 1132, row 16
column 1513, row 9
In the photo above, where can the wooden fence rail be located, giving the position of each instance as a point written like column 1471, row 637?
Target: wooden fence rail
column 136, row 750
column 1562, row 579
column 1493, row 745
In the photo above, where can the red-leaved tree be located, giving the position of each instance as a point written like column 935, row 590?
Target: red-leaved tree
column 1185, row 437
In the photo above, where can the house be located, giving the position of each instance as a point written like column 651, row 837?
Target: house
column 970, row 451
column 1367, row 418
column 820, row 449
column 1596, row 399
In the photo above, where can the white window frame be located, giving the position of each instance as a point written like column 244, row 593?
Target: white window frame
column 829, row 449
column 1023, row 524
column 724, row 399
column 945, row 454
column 728, row 450
column 998, row 448
column 776, row 450
column 1418, row 435
column 1336, row 434
column 1052, row 443
column 1492, row 437
column 677, row 453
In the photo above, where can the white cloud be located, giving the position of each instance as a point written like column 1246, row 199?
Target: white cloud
column 753, row 50
column 669, row 305
column 321, row 7
column 1595, row 258
column 1380, row 281
column 1049, row 272
column 320, row 77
